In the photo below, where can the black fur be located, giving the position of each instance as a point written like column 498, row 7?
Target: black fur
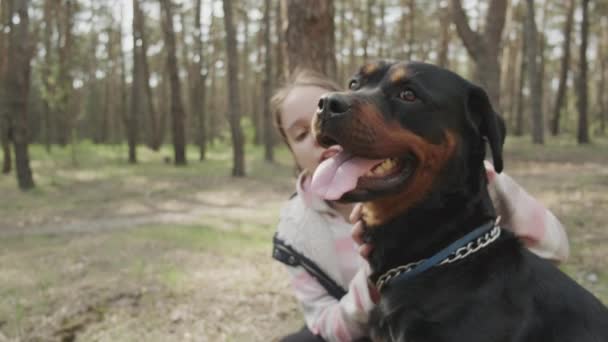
column 502, row 293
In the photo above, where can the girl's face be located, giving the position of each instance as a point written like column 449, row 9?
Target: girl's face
column 297, row 111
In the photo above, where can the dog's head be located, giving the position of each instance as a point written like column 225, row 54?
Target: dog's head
column 404, row 130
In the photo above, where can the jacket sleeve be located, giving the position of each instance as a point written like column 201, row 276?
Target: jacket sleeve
column 525, row 216
column 333, row 320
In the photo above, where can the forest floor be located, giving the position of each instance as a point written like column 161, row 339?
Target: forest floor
column 104, row 251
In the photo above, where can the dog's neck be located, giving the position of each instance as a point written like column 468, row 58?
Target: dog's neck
column 443, row 217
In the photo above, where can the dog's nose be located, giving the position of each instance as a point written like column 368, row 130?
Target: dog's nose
column 333, row 104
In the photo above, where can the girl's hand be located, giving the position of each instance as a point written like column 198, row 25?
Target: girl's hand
column 358, row 230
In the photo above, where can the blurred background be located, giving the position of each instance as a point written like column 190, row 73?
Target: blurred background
column 142, row 176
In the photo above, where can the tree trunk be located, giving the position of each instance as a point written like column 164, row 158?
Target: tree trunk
column 560, row 97
column 483, row 47
column 124, row 90
column 46, row 73
column 189, row 79
column 582, row 98
column 601, row 88
column 112, row 91
column 213, row 122
column 369, row 28
column 509, row 66
column 341, row 42
column 280, row 70
column 534, row 76
column 411, row 32
column 199, row 88
column 132, row 120
column 382, row 14
column 309, row 35
column 234, row 106
column 444, row 40
column 177, row 109
column 140, row 51
column 257, row 93
column 268, row 129
column 7, row 163
column 64, row 117
column 16, row 84
column 519, row 114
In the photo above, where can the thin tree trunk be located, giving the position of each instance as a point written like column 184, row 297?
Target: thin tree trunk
column 132, row 120
column 257, row 92
column 310, row 36
column 7, row 163
column 234, row 106
column 249, row 99
column 280, row 70
column 177, row 109
column 411, row 34
column 342, row 68
column 369, row 28
column 65, row 118
column 601, row 88
column 141, row 51
column 534, row 75
column 189, row 79
column 46, row 73
column 214, row 104
column 382, row 14
column 268, row 132
column 124, row 90
column 444, row 40
column 17, row 84
column 511, row 79
column 545, row 92
column 110, row 83
column 560, row 97
column 483, row 47
column 582, row 88
column 519, row 114
column 200, row 88
column 352, row 57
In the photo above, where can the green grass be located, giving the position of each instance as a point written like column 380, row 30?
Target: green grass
column 557, row 149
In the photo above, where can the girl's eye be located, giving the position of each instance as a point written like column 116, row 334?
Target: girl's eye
column 353, row 84
column 301, row 135
column 407, row 95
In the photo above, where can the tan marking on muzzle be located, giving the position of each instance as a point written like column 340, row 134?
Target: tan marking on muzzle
column 390, row 139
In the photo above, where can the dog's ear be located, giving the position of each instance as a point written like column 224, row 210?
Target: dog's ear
column 487, row 122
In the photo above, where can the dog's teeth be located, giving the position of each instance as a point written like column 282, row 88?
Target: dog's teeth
column 383, row 168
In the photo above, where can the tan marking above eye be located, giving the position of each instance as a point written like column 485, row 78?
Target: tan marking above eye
column 398, row 75
column 370, row 68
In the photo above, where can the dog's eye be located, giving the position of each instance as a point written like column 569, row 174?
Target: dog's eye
column 353, row 84
column 407, row 95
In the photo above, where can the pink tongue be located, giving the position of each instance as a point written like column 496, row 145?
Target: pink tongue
column 339, row 174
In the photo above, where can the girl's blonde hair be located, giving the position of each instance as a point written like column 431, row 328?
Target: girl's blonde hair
column 299, row 78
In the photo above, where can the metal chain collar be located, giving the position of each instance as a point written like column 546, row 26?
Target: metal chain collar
column 458, row 254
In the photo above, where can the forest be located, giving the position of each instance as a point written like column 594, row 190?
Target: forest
column 141, row 165
column 196, row 72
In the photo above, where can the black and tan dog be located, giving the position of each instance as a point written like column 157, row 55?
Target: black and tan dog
column 412, row 140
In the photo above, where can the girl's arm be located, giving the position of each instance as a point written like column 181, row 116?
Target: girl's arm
column 525, row 216
column 334, row 320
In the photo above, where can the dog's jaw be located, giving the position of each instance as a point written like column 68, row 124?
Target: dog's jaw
column 431, row 160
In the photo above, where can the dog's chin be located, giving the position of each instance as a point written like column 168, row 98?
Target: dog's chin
column 387, row 178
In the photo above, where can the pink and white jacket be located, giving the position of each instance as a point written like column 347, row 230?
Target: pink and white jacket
column 321, row 234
